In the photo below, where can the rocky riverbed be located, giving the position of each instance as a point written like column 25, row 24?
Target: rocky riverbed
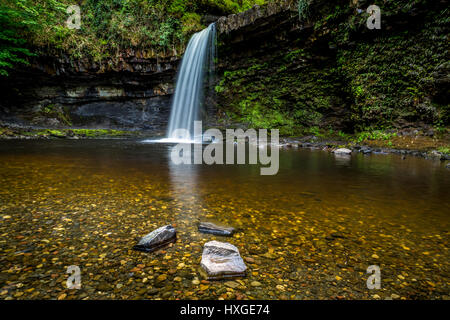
column 310, row 232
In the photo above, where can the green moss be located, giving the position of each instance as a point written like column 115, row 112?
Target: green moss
column 96, row 133
column 374, row 135
column 444, row 150
column 286, row 100
column 371, row 81
column 56, row 133
column 57, row 112
column 85, row 133
column 390, row 74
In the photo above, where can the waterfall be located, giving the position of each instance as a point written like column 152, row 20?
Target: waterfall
column 198, row 61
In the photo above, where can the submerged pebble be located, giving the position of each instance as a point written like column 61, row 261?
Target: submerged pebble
column 84, row 213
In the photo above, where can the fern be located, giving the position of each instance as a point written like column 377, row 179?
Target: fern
column 14, row 17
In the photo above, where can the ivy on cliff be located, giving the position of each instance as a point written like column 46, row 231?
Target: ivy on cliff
column 372, row 79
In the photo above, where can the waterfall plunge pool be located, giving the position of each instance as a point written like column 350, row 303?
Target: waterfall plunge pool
column 309, row 232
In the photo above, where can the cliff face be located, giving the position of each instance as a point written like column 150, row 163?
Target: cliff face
column 324, row 71
column 258, row 16
column 131, row 94
column 277, row 71
column 327, row 71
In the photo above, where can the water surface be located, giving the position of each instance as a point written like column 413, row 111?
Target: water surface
column 309, row 232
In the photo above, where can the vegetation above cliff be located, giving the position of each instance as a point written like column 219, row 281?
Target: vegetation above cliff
column 159, row 27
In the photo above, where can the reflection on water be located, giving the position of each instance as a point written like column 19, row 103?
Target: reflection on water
column 310, row 231
column 184, row 190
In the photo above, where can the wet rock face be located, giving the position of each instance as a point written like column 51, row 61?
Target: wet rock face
column 157, row 239
column 222, row 260
column 237, row 21
column 54, row 94
column 212, row 228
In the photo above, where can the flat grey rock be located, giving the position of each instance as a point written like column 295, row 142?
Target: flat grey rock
column 212, row 228
column 157, row 239
column 222, row 260
column 343, row 151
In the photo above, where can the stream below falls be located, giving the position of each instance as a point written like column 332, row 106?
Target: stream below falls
column 309, row 232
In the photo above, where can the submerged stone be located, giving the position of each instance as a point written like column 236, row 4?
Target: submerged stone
column 157, row 239
column 222, row 260
column 212, row 228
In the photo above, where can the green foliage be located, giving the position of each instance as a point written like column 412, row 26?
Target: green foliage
column 56, row 112
column 56, row 133
column 96, row 133
column 303, row 9
column 374, row 135
column 191, row 22
column 286, row 100
column 157, row 27
column 343, row 135
column 381, row 78
column 384, row 91
column 15, row 16
column 444, row 150
column 88, row 133
column 293, row 55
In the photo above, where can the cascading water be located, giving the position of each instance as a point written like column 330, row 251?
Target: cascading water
column 197, row 62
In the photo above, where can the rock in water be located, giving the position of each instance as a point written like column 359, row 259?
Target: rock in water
column 343, row 151
column 157, row 239
column 222, row 260
column 209, row 227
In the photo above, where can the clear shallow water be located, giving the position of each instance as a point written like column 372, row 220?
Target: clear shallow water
column 310, row 232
